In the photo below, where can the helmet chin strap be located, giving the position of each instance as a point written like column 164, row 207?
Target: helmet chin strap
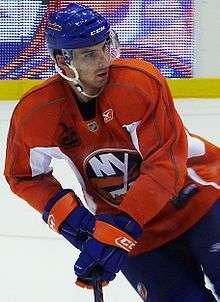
column 76, row 81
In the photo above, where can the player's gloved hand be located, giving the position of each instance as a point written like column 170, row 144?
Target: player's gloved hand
column 113, row 238
column 66, row 215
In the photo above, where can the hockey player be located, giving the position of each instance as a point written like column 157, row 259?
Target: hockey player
column 152, row 187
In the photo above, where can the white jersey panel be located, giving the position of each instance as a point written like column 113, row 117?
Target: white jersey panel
column 196, row 147
column 132, row 130
column 40, row 159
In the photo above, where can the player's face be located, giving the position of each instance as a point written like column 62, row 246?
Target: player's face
column 92, row 64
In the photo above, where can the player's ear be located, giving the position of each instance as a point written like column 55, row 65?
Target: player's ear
column 60, row 61
column 63, row 65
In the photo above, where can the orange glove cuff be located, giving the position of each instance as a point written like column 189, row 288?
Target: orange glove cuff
column 64, row 206
column 87, row 286
column 108, row 234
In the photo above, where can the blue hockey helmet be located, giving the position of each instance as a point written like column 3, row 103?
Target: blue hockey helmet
column 76, row 26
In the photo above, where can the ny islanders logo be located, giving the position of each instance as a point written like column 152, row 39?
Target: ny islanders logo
column 111, row 172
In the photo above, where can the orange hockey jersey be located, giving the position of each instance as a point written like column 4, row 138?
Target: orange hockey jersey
column 134, row 156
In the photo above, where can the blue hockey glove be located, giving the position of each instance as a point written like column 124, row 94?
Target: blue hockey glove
column 113, row 238
column 66, row 215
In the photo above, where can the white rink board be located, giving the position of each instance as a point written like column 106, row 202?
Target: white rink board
column 36, row 265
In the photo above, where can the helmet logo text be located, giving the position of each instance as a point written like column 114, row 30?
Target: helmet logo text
column 54, row 26
column 98, row 30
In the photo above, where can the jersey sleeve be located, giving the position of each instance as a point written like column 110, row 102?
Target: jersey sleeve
column 160, row 138
column 31, row 180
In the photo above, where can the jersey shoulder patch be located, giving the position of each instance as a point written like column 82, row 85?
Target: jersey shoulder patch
column 46, row 86
column 37, row 99
column 140, row 65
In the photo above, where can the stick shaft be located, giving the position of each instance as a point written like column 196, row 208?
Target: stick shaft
column 98, row 292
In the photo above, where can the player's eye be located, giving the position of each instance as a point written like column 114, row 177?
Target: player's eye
column 89, row 54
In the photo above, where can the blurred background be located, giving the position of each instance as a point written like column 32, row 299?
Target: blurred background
column 181, row 37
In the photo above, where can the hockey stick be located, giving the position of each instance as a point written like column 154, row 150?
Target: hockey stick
column 97, row 289
column 97, row 285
